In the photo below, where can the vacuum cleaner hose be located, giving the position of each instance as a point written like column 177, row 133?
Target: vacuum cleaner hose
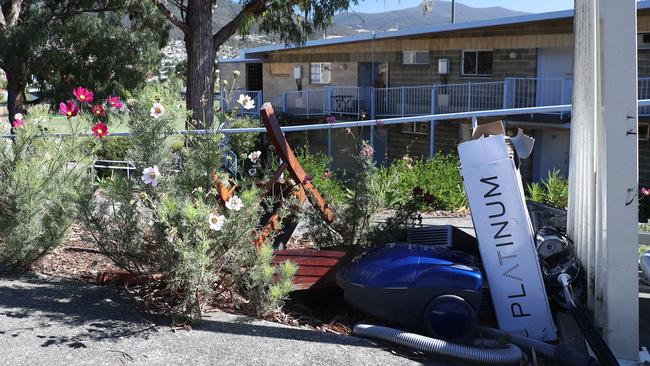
column 561, row 355
column 511, row 355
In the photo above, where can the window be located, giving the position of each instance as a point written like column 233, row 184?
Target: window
column 415, row 58
column 643, row 131
column 477, row 63
column 417, row 128
column 320, row 73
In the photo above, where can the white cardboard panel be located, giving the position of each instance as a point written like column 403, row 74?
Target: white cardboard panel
column 506, row 239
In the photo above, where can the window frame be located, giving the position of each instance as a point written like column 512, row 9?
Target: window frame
column 646, row 136
column 412, row 128
column 415, row 57
column 477, row 52
column 320, row 67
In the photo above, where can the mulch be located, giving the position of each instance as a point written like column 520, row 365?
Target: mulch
column 79, row 258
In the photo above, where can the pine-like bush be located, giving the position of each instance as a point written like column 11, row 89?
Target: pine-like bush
column 41, row 179
column 169, row 217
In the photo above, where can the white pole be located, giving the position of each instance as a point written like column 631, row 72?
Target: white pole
column 603, row 210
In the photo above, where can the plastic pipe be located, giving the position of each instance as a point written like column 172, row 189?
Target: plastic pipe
column 560, row 355
column 511, row 355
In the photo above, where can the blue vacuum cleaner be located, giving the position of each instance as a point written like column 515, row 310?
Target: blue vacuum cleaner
column 425, row 288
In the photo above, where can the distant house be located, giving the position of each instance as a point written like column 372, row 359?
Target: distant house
column 522, row 61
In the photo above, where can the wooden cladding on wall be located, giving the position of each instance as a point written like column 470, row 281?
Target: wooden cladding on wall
column 281, row 69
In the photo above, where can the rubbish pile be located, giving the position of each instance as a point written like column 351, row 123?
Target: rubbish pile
column 524, row 266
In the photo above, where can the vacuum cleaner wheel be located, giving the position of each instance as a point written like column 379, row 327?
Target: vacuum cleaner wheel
column 451, row 318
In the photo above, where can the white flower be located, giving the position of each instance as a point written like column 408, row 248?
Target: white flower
column 255, row 156
column 157, row 110
column 252, row 171
column 236, row 73
column 151, row 175
column 216, row 221
column 246, row 101
column 19, row 116
column 234, row 203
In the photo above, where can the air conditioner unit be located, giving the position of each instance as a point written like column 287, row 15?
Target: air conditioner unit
column 643, row 41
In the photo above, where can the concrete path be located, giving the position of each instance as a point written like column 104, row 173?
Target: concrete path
column 46, row 321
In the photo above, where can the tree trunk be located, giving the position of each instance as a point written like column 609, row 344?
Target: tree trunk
column 16, row 99
column 200, row 62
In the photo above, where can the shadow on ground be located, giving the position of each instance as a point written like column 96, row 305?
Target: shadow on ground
column 104, row 314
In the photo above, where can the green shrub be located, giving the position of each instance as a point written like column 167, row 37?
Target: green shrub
column 535, row 192
column 41, row 178
column 354, row 216
column 242, row 143
column 327, row 182
column 553, row 191
column 177, row 227
column 438, row 177
column 114, row 148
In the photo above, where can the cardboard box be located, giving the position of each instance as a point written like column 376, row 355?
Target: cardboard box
column 506, row 239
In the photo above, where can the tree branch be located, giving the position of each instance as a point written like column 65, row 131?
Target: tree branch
column 172, row 18
column 3, row 22
column 14, row 14
column 253, row 8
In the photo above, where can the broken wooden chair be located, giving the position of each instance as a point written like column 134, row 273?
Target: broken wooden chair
column 316, row 268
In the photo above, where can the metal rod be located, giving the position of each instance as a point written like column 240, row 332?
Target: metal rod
column 453, row 11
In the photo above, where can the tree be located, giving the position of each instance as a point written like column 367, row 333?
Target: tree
column 291, row 20
column 109, row 45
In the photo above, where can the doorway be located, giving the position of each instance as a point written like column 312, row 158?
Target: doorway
column 553, row 66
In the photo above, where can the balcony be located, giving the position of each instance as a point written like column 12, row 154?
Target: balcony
column 408, row 101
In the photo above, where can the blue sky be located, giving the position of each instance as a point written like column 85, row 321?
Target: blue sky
column 531, row 6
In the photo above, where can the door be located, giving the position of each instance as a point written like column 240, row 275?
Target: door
column 551, row 153
column 554, row 71
column 254, row 76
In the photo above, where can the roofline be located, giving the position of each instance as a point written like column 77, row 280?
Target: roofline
column 438, row 28
column 240, row 60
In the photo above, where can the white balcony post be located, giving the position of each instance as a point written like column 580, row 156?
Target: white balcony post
column 469, row 96
column 403, row 98
column 432, row 126
column 603, row 208
column 307, row 103
column 506, row 94
column 373, row 103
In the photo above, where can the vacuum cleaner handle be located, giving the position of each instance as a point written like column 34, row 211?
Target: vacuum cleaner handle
column 596, row 342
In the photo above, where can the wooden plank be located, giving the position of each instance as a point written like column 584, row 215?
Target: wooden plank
column 312, row 253
column 317, row 268
column 285, row 153
column 308, row 261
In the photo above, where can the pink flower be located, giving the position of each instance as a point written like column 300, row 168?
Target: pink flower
column 68, row 109
column 17, row 123
column 98, row 110
column 367, row 151
column 308, row 178
column 100, row 129
column 114, row 102
column 330, row 119
column 645, row 191
column 327, row 174
column 83, row 95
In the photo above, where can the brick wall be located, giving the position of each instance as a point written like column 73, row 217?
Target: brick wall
column 343, row 74
column 524, row 64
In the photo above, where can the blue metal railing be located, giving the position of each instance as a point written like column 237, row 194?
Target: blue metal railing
column 429, row 99
column 229, row 103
